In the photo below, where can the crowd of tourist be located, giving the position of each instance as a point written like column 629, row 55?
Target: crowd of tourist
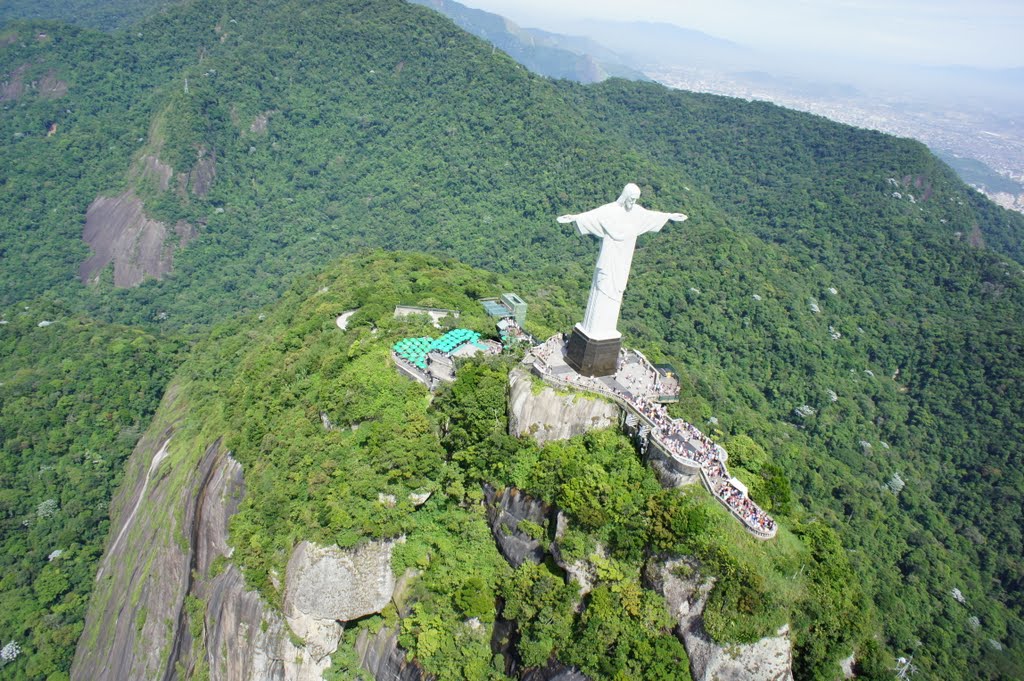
column 750, row 512
column 679, row 438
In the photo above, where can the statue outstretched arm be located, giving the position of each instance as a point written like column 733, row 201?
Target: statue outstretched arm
column 676, row 217
column 588, row 222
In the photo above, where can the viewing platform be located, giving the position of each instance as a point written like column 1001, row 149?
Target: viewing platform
column 638, row 387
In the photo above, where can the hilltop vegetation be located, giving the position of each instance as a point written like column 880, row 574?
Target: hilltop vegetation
column 258, row 379
column 386, row 126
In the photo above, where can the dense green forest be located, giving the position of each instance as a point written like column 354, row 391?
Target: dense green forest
column 101, row 14
column 75, row 396
column 806, row 275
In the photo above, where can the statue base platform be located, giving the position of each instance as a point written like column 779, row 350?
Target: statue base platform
column 589, row 357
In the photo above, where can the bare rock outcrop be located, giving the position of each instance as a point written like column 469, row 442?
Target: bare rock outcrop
column 13, row 84
column 380, row 655
column 51, row 87
column 506, row 509
column 582, row 571
column 548, row 415
column 118, row 231
column 847, row 665
column 246, row 640
column 145, row 572
column 554, row 671
column 669, row 471
column 326, row 586
column 201, row 176
column 259, row 123
column 152, row 168
column 168, row 546
column 686, row 593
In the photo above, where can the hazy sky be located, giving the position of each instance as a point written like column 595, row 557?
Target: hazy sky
column 970, row 32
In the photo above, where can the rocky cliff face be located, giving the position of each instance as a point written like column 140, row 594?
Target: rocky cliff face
column 770, row 659
column 670, row 473
column 245, row 639
column 506, row 508
column 118, row 231
column 170, row 525
column 134, row 623
column 380, row 655
column 326, row 586
column 548, row 415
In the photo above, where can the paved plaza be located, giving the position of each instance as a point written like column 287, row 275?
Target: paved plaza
column 636, row 377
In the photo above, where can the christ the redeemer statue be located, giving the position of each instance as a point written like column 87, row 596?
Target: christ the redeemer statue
column 594, row 344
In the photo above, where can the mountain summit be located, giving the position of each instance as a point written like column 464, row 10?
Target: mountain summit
column 841, row 311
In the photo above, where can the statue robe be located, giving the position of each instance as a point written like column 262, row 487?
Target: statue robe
column 618, row 229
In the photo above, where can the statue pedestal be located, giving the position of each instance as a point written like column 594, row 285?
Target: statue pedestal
column 589, row 357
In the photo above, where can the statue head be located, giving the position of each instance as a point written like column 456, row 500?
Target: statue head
column 630, row 193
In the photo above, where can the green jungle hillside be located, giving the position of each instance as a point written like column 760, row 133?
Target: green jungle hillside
column 257, row 379
column 98, row 14
column 846, row 310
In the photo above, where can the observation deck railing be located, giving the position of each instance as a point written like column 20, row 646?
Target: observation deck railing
column 752, row 526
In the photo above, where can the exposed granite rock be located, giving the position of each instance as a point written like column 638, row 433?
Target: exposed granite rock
column 12, row 84
column 259, row 123
column 325, row 586
column 548, row 415
column 244, row 638
column 847, row 665
column 247, row 641
column 686, row 593
column 506, row 508
column 419, row 498
column 50, row 86
column 554, row 671
column 145, row 573
column 201, row 176
column 380, row 655
column 170, row 525
column 118, row 231
column 217, row 500
column 505, row 639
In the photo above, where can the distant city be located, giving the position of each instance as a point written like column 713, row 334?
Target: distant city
column 968, row 116
column 959, row 136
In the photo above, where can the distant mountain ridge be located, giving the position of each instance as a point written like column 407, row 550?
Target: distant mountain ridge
column 647, row 42
column 549, row 54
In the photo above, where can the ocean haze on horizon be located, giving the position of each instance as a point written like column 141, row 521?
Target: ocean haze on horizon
column 983, row 33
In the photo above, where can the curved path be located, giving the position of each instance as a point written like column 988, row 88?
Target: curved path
column 684, row 442
column 342, row 320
